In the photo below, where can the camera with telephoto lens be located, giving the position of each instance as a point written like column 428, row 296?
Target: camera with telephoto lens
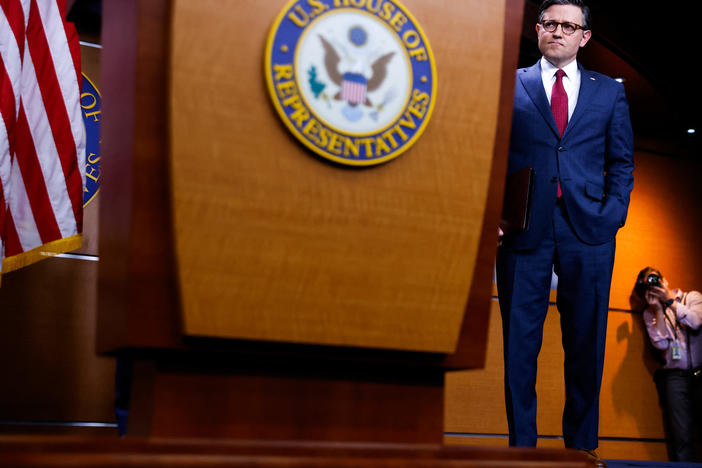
column 653, row 280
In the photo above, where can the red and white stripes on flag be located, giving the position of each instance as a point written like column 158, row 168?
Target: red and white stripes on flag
column 42, row 138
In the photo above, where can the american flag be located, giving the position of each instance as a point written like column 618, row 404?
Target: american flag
column 353, row 88
column 42, row 138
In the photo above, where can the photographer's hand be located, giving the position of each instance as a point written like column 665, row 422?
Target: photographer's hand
column 657, row 294
column 656, row 306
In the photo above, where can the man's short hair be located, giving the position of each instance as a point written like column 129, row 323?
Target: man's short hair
column 578, row 3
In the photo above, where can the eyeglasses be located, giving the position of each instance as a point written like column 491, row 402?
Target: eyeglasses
column 567, row 28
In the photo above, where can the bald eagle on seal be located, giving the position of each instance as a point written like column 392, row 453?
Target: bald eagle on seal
column 354, row 86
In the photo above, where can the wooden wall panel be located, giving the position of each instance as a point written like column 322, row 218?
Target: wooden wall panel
column 663, row 226
column 247, row 399
column 474, row 399
column 634, row 450
column 628, row 401
column 47, row 345
column 380, row 257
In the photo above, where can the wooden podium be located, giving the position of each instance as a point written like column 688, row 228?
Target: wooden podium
column 266, row 294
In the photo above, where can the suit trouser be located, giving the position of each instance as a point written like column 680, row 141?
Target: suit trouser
column 523, row 281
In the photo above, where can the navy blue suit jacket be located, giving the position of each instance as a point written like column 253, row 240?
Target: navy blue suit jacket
column 594, row 159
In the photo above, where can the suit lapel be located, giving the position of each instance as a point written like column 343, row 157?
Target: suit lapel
column 588, row 86
column 531, row 79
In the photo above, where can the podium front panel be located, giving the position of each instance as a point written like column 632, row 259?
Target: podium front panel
column 275, row 243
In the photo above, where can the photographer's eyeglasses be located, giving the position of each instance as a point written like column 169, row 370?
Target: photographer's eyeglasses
column 567, row 28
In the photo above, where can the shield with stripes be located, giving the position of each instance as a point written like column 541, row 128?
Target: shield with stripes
column 353, row 88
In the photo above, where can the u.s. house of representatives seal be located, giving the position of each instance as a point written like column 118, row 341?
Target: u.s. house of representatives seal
column 91, row 108
column 353, row 80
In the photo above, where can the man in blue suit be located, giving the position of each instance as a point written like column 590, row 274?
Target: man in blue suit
column 572, row 127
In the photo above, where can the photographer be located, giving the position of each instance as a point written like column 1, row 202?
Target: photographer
column 673, row 320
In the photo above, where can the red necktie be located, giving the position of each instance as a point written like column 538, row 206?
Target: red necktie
column 559, row 107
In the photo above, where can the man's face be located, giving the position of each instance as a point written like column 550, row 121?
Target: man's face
column 558, row 48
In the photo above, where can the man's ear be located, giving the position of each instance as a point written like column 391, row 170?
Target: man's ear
column 587, row 34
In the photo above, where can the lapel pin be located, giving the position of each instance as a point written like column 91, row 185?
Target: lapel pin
column 593, row 79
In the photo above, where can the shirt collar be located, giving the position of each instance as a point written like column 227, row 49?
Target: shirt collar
column 548, row 70
column 677, row 293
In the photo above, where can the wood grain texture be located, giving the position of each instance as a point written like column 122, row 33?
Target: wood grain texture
column 274, row 244
column 137, row 288
column 608, row 449
column 43, row 452
column 283, row 400
column 47, row 345
column 471, row 349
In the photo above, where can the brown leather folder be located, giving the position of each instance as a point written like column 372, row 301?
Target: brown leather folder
column 517, row 201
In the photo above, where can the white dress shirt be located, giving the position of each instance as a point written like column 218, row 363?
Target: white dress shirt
column 571, row 82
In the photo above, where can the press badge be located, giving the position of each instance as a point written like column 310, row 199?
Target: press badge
column 676, row 351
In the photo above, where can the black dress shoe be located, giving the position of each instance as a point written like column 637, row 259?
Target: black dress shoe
column 594, row 457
